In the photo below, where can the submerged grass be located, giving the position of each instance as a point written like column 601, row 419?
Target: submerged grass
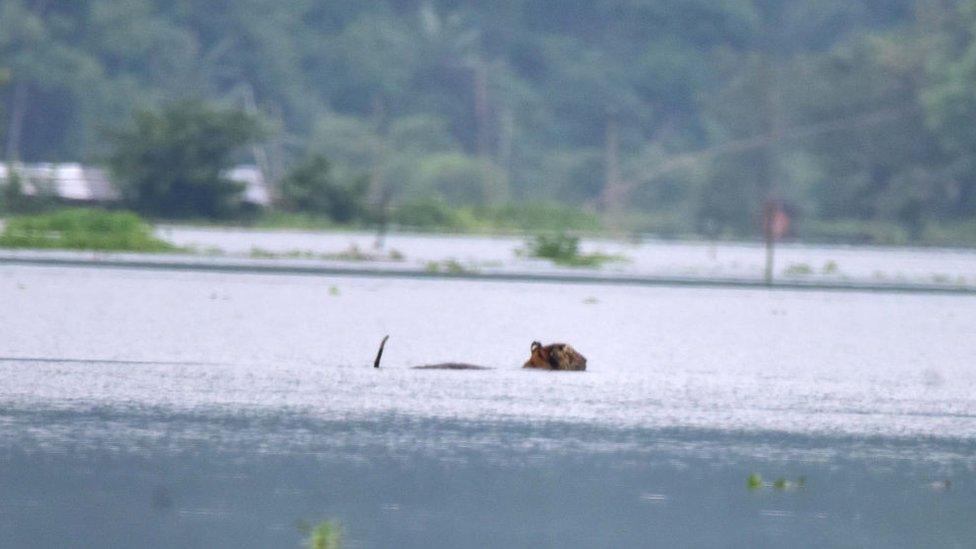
column 352, row 253
column 450, row 266
column 755, row 482
column 83, row 229
column 563, row 249
column 324, row 535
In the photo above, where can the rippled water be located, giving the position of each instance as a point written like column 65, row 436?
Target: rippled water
column 211, row 409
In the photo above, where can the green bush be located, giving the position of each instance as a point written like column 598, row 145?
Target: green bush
column 311, row 188
column 854, row 232
column 324, row 535
column 83, row 229
column 170, row 163
column 430, row 214
column 563, row 249
column 536, row 216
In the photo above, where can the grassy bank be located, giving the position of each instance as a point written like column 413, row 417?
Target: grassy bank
column 437, row 217
column 95, row 229
column 82, row 229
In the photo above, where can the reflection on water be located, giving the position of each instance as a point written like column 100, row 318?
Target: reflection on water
column 150, row 408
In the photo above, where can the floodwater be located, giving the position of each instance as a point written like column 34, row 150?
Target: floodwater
column 952, row 267
column 151, row 408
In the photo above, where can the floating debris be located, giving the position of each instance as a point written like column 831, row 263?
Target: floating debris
column 755, row 481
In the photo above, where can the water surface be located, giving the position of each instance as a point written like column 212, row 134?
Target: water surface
column 195, row 409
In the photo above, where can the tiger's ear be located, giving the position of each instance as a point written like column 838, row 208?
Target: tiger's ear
column 535, row 346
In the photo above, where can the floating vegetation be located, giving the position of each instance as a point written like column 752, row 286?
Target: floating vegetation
column 449, row 266
column 798, row 269
column 324, row 535
column 261, row 253
column 755, row 482
column 352, row 253
column 83, row 229
column 563, row 249
column 830, row 267
column 211, row 251
column 334, row 291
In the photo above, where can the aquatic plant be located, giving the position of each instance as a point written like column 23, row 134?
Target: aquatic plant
column 352, row 253
column 830, row 267
column 83, row 229
column 754, row 481
column 798, row 269
column 324, row 535
column 261, row 253
column 563, row 249
column 449, row 266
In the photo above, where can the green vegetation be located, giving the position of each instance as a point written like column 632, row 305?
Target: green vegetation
column 563, row 249
column 324, row 535
column 311, row 188
column 755, row 482
column 856, row 114
column 171, row 163
column 435, row 214
column 81, row 229
column 449, row 266
column 798, row 269
column 352, row 253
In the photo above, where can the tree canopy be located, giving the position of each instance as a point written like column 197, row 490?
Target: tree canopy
column 675, row 114
column 171, row 163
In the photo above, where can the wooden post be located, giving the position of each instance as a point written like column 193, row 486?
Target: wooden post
column 769, row 214
column 481, row 109
column 377, row 192
column 611, row 177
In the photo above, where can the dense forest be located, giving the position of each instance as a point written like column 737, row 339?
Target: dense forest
column 674, row 116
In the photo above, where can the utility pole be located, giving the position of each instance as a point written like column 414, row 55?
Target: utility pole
column 505, row 138
column 769, row 213
column 15, row 128
column 481, row 109
column 377, row 192
column 611, row 182
column 773, row 126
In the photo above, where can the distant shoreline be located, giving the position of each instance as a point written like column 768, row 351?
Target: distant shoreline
column 391, row 270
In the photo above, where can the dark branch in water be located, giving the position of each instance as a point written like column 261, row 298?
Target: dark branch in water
column 451, row 366
column 379, row 354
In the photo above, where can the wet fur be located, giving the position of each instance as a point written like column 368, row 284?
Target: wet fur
column 557, row 356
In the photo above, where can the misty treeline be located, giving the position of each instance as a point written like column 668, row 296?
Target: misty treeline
column 677, row 116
